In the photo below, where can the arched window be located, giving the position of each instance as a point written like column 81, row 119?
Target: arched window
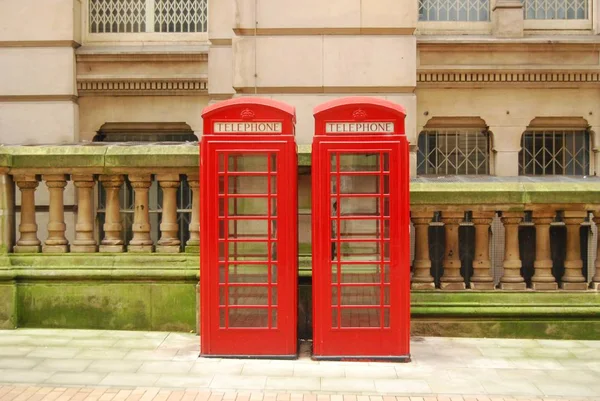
column 555, row 146
column 454, row 146
column 147, row 132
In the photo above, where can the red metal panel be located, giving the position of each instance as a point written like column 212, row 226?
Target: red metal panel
column 248, row 263
column 361, row 239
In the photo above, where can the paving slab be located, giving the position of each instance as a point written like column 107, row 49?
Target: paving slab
column 293, row 383
column 63, row 365
column 86, row 379
column 130, row 379
column 183, row 381
column 108, row 366
column 401, row 386
column 347, row 385
column 165, row 367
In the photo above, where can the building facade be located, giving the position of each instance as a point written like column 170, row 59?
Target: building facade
column 100, row 108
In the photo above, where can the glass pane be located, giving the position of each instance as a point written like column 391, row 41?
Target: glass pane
column 274, row 318
column 356, row 206
column 354, row 317
column 362, row 184
column 247, row 207
column 363, row 295
column 247, row 229
column 248, row 163
column 239, row 273
column 359, row 162
column 247, row 295
column 248, row 317
column 249, row 185
column 361, row 229
column 242, row 250
column 360, row 273
column 360, row 250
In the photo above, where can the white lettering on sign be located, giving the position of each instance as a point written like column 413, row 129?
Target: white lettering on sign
column 248, row 127
column 368, row 127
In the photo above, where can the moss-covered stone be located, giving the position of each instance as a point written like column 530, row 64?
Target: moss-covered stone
column 153, row 156
column 66, row 156
column 304, row 155
column 98, row 305
column 8, row 305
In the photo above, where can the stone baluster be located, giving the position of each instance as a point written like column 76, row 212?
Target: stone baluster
column 452, row 280
column 169, row 228
column 512, row 279
column 141, row 241
column 56, row 241
column 84, row 229
column 193, row 244
column 422, row 279
column 596, row 278
column 542, row 278
column 482, row 276
column 112, row 241
column 573, row 278
column 28, row 241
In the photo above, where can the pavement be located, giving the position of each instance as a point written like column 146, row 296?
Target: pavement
column 94, row 365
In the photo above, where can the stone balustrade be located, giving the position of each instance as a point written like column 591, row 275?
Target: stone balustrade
column 442, row 211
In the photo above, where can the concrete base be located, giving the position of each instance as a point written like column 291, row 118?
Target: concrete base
column 84, row 248
column 111, row 248
column 574, row 286
column 513, row 286
column 55, row 248
column 140, row 248
column 167, row 249
column 482, row 285
column 452, row 286
column 422, row 286
column 544, row 286
column 595, row 286
column 27, row 249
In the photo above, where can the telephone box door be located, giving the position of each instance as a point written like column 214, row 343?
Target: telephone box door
column 360, row 244
column 249, row 263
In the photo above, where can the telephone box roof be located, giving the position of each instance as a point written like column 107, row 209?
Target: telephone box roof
column 359, row 100
column 242, row 101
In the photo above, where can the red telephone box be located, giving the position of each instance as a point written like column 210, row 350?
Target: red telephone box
column 361, row 238
column 248, row 220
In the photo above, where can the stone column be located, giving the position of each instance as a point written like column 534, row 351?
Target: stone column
column 507, row 19
column 452, row 280
column 28, row 241
column 422, row 279
column 573, row 278
column 56, row 241
column 169, row 240
column 7, row 212
column 512, row 279
column 112, row 241
column 482, row 278
column 193, row 244
column 141, row 241
column 596, row 278
column 84, row 229
column 542, row 278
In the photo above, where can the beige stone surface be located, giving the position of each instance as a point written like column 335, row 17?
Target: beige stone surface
column 220, row 69
column 29, row 123
column 221, row 17
column 507, row 17
column 37, row 71
column 278, row 61
column 298, row 14
column 359, row 61
column 96, row 111
column 389, row 13
column 33, row 20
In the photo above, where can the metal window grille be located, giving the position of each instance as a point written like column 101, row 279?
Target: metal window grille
column 454, row 10
column 143, row 16
column 556, row 9
column 555, row 152
column 453, row 152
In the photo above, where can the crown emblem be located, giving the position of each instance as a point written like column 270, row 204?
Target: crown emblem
column 247, row 114
column 359, row 114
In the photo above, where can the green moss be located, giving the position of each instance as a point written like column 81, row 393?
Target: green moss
column 8, row 306
column 480, row 328
column 304, row 155
column 172, row 156
column 67, row 156
column 124, row 306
